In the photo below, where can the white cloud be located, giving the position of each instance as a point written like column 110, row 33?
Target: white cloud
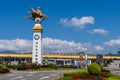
column 18, row 45
column 115, row 42
column 99, row 31
column 98, row 48
column 93, row 49
column 78, row 22
column 57, row 45
column 49, row 45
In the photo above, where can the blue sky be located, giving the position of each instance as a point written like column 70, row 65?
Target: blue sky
column 92, row 24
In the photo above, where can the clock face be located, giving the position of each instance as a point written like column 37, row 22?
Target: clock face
column 36, row 36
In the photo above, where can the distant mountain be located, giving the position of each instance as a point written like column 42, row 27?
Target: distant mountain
column 110, row 54
column 7, row 52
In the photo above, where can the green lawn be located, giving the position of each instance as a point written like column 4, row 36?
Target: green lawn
column 68, row 75
column 43, row 69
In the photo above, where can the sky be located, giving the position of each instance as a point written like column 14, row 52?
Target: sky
column 72, row 26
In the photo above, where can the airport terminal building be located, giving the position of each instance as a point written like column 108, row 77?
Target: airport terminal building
column 58, row 59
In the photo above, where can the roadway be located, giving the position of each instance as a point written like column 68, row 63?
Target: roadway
column 41, row 75
column 24, row 75
column 116, row 71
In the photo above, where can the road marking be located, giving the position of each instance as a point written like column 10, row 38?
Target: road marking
column 33, row 72
column 44, row 77
column 17, row 77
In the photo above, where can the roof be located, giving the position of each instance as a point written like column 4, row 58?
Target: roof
column 57, row 56
column 37, row 27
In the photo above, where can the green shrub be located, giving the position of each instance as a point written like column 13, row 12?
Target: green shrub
column 34, row 66
column 104, row 70
column 14, row 67
column 24, row 66
column 67, row 74
column 84, row 72
column 66, row 66
column 105, row 65
column 81, row 72
column 53, row 66
column 4, row 69
column 105, row 73
column 94, row 69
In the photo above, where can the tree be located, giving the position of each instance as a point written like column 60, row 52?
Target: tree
column 1, row 60
column 119, row 51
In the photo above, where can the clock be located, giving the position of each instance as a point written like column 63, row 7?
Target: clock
column 36, row 36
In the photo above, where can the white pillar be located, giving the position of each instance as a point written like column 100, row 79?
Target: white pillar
column 64, row 62
column 37, row 44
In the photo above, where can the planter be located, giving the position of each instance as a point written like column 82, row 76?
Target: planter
column 87, row 77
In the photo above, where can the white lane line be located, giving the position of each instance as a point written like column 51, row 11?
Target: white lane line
column 45, row 77
column 33, row 72
column 53, row 75
column 17, row 77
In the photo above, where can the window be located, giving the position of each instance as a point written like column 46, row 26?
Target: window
column 36, row 42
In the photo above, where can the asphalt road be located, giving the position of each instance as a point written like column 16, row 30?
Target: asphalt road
column 23, row 75
column 113, row 70
column 116, row 72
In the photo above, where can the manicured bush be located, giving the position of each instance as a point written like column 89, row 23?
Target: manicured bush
column 108, row 62
column 24, row 66
column 14, row 67
column 104, row 70
column 34, row 66
column 66, row 66
column 111, row 77
column 67, row 74
column 53, row 66
column 94, row 69
column 105, row 65
column 105, row 73
column 44, row 66
column 4, row 69
column 90, row 77
column 80, row 72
